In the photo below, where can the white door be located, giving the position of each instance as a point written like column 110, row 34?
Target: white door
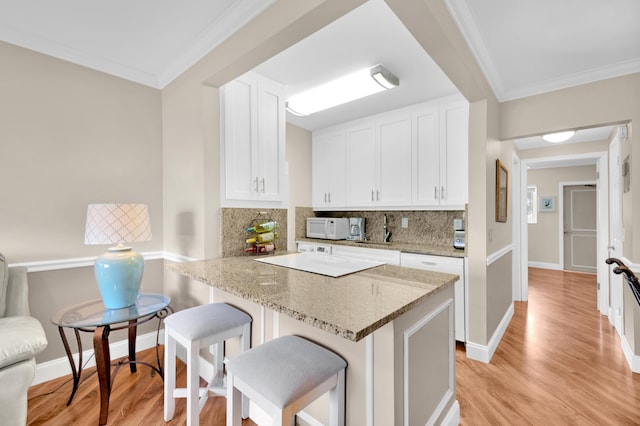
column 580, row 226
column 615, row 233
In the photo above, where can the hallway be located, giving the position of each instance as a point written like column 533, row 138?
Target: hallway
column 559, row 363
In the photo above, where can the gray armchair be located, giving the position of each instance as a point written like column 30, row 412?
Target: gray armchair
column 21, row 339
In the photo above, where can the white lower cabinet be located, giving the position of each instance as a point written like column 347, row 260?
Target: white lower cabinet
column 449, row 265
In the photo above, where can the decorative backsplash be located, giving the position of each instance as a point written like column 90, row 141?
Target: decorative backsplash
column 234, row 224
column 428, row 227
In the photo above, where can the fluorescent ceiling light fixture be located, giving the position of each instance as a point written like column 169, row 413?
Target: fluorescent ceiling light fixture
column 345, row 89
column 559, row 137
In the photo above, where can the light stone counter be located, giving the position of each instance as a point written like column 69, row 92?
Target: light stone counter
column 352, row 306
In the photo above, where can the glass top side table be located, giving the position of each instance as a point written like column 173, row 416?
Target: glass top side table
column 93, row 317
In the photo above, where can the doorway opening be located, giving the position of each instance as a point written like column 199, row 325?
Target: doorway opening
column 600, row 160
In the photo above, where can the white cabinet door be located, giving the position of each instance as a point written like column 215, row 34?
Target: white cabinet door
column 361, row 164
column 426, row 136
column 328, row 170
column 270, row 147
column 440, row 135
column 393, row 147
column 253, row 139
column 240, row 138
column 454, row 170
column 449, row 265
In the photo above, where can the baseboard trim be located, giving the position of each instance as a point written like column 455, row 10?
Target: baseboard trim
column 60, row 367
column 453, row 415
column 544, row 265
column 632, row 359
column 485, row 353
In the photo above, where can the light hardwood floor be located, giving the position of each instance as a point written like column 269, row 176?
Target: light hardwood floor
column 559, row 363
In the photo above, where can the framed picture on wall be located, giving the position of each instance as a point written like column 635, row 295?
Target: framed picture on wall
column 502, row 183
column 547, row 204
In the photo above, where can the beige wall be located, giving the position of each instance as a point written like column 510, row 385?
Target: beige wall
column 616, row 100
column 71, row 136
column 499, row 297
column 544, row 235
column 299, row 160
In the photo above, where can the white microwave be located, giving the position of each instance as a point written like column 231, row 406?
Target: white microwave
column 328, row 228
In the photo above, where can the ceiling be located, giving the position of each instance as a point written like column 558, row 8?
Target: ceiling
column 524, row 48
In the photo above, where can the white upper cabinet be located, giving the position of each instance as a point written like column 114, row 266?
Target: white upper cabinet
column 454, row 155
column 328, row 170
column 361, row 164
column 411, row 158
column 440, row 134
column 393, row 148
column 253, row 140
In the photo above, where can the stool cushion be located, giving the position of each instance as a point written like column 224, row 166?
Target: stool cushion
column 202, row 321
column 285, row 368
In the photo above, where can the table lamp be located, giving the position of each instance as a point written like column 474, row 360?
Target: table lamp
column 118, row 271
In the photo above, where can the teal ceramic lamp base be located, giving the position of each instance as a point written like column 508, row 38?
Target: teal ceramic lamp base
column 118, row 273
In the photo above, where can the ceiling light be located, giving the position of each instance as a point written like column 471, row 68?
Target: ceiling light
column 559, row 137
column 345, row 89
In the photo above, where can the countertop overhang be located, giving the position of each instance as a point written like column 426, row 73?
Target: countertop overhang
column 352, row 306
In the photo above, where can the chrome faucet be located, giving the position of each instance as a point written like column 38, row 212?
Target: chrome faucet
column 387, row 234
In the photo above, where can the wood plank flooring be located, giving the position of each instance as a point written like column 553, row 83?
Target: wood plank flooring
column 559, row 363
column 136, row 400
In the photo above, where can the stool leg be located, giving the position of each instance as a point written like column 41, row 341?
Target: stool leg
column 336, row 401
column 193, row 384
column 245, row 344
column 218, row 369
column 169, row 374
column 234, row 406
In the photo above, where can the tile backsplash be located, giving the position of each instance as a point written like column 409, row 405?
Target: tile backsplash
column 428, row 227
column 235, row 221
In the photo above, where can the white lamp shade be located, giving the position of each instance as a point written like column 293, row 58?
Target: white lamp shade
column 117, row 223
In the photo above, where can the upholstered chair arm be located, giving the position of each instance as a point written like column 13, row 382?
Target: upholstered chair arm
column 17, row 293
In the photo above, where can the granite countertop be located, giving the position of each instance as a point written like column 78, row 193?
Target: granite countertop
column 352, row 306
column 437, row 250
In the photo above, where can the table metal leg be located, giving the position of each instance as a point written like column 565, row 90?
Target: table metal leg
column 75, row 371
column 103, row 366
column 133, row 330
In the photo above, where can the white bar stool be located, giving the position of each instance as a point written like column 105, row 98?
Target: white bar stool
column 283, row 376
column 195, row 328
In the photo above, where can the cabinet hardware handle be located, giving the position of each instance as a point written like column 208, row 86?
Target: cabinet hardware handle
column 329, row 198
column 435, row 192
column 325, row 197
column 256, row 180
column 377, row 195
column 442, row 193
column 372, row 195
column 263, row 188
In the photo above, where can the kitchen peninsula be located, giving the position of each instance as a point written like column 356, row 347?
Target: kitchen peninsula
column 393, row 325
